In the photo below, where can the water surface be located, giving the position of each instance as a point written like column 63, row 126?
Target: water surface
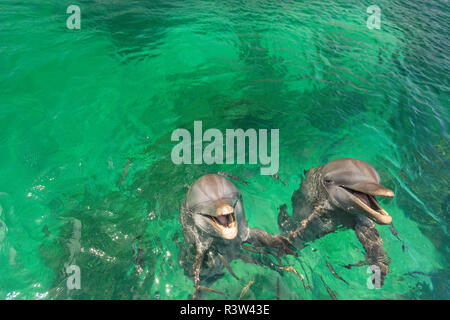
column 86, row 118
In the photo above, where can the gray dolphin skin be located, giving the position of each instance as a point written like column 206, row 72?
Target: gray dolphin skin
column 340, row 194
column 214, row 227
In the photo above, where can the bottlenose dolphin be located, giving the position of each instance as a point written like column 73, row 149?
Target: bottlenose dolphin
column 214, row 227
column 340, row 194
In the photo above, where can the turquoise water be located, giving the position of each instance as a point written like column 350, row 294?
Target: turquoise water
column 86, row 118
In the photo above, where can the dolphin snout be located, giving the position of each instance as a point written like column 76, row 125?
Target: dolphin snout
column 370, row 188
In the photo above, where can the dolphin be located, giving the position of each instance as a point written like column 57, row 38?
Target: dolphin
column 341, row 193
column 214, row 227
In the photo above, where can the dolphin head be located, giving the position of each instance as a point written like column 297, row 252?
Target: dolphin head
column 216, row 206
column 352, row 185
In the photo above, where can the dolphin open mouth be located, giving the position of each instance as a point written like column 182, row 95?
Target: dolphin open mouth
column 367, row 202
column 224, row 222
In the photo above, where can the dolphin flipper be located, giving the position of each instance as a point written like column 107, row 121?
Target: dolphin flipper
column 372, row 242
column 285, row 222
column 201, row 248
column 261, row 238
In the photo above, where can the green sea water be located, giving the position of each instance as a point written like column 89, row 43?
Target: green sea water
column 86, row 118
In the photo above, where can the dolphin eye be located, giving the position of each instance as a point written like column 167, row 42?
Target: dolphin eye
column 328, row 181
